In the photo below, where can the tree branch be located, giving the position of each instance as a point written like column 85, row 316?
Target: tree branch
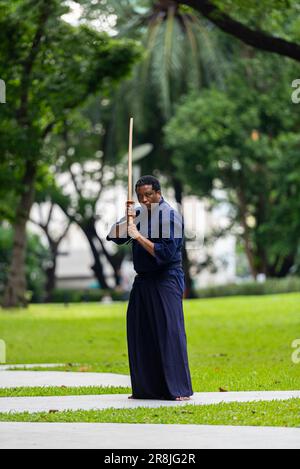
column 64, row 234
column 45, row 227
column 255, row 38
column 28, row 63
column 50, row 215
column 48, row 129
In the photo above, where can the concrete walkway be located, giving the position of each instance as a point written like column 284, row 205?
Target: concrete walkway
column 17, row 379
column 121, row 401
column 129, row 436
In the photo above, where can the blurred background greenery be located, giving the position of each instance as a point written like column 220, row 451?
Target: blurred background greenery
column 211, row 94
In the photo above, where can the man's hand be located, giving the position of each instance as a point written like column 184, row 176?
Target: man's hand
column 133, row 232
column 130, row 209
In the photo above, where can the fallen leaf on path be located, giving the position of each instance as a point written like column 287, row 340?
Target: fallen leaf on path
column 84, row 369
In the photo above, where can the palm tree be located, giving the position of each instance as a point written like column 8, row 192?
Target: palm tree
column 182, row 53
column 182, row 50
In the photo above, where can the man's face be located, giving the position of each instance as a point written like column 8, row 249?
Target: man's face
column 147, row 196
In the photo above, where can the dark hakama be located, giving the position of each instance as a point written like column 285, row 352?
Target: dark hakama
column 156, row 338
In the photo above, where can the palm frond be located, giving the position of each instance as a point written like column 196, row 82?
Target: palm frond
column 167, row 61
column 153, row 31
column 212, row 62
column 188, row 24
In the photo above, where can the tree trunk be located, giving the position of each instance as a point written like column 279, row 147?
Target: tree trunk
column 51, row 272
column 97, row 267
column 115, row 261
column 15, row 290
column 262, row 247
column 282, row 267
column 50, row 283
column 246, row 235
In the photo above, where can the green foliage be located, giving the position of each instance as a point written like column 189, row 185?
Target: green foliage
column 181, row 53
column 277, row 17
column 84, row 296
column 37, row 257
column 270, row 287
column 51, row 69
column 46, row 82
column 244, row 141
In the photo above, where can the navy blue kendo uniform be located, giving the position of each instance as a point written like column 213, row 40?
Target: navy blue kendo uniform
column 156, row 338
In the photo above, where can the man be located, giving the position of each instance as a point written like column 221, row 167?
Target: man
column 156, row 335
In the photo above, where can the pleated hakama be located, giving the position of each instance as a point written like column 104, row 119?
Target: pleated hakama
column 156, row 337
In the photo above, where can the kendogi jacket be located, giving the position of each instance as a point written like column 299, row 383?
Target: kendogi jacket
column 164, row 226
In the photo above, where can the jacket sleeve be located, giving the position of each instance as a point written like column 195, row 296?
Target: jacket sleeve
column 123, row 237
column 171, row 240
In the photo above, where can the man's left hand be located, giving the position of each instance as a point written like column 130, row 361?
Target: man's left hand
column 133, row 232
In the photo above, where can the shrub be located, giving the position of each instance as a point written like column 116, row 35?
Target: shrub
column 85, row 296
column 270, row 287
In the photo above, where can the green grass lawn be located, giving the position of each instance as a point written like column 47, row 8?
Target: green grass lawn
column 237, row 344
column 275, row 414
column 234, row 343
column 62, row 391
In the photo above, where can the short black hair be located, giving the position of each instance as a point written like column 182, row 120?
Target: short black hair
column 148, row 180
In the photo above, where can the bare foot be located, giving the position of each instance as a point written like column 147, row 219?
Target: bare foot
column 182, row 398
